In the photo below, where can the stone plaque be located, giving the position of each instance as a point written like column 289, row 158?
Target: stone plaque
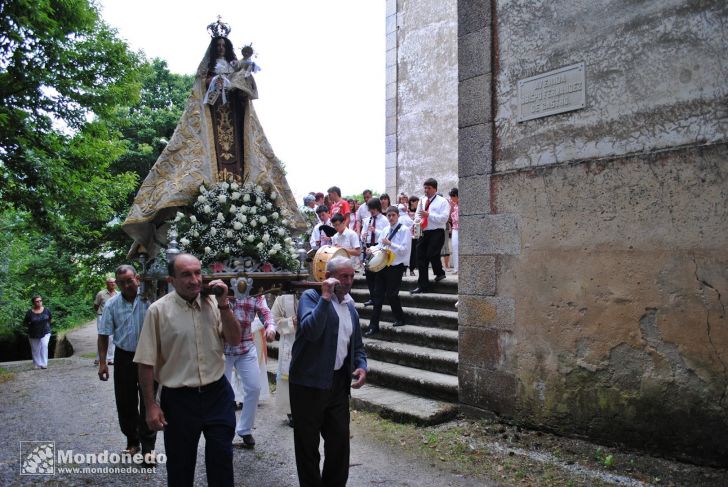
column 558, row 91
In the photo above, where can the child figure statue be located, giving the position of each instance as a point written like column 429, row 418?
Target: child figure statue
column 248, row 66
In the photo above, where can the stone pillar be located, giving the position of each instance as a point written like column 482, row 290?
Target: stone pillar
column 486, row 320
column 390, row 136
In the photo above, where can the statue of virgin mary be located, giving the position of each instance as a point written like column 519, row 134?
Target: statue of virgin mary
column 218, row 137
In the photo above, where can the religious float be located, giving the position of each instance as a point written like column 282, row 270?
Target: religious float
column 217, row 190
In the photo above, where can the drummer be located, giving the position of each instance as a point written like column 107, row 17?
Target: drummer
column 318, row 236
column 370, row 232
column 346, row 238
column 396, row 238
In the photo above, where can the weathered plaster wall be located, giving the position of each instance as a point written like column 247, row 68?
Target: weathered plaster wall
column 426, row 97
column 594, row 244
column 655, row 76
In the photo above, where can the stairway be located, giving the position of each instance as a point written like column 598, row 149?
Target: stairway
column 413, row 370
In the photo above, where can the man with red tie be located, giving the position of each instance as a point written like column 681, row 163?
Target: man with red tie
column 433, row 211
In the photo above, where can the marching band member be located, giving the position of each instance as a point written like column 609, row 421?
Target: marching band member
column 318, row 236
column 371, row 230
column 395, row 237
column 345, row 238
column 433, row 212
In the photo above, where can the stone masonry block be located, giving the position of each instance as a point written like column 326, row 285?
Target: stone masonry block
column 487, row 312
column 475, row 149
column 489, row 234
column 473, row 15
column 391, row 74
column 390, row 91
column 488, row 389
column 391, row 40
column 391, row 57
column 477, row 275
column 390, row 144
column 474, row 101
column 475, row 195
column 390, row 178
column 390, row 107
column 391, row 25
column 390, row 160
column 390, row 126
column 484, row 347
column 391, row 7
column 474, row 54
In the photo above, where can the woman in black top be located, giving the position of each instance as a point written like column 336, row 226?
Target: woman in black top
column 38, row 321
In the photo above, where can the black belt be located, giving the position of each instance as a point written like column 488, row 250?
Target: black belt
column 200, row 389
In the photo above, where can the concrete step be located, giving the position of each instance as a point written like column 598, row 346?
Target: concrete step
column 423, row 358
column 392, row 404
column 423, row 383
column 401, row 406
column 445, row 302
column 415, row 316
column 424, row 336
column 447, row 286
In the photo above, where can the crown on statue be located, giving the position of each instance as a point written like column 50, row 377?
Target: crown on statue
column 219, row 28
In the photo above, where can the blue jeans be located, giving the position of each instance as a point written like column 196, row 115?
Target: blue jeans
column 249, row 372
column 191, row 411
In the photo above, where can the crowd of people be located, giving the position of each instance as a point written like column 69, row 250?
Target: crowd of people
column 175, row 356
column 367, row 222
column 177, row 360
column 420, row 232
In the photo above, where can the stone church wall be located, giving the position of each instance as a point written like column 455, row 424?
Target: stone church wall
column 594, row 243
column 421, row 139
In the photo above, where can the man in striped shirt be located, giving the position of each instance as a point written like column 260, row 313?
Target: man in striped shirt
column 244, row 357
column 123, row 318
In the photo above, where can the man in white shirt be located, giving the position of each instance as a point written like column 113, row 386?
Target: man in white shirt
column 395, row 237
column 433, row 212
column 318, row 237
column 363, row 212
column 373, row 226
column 345, row 238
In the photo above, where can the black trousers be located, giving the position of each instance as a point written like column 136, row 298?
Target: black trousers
column 413, row 254
column 428, row 253
column 387, row 284
column 323, row 412
column 190, row 412
column 130, row 403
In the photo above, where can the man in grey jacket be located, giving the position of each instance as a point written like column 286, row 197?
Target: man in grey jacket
column 327, row 356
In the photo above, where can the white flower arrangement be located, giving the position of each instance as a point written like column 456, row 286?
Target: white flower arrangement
column 214, row 227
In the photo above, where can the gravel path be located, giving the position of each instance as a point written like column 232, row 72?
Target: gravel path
column 68, row 405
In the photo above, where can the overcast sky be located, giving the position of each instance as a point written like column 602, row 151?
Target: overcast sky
column 321, row 87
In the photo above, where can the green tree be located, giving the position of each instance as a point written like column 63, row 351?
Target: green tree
column 147, row 125
column 61, row 70
column 144, row 128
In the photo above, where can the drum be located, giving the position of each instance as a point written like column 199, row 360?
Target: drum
column 379, row 259
column 322, row 257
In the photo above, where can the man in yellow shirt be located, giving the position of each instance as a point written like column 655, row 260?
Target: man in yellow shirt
column 181, row 346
